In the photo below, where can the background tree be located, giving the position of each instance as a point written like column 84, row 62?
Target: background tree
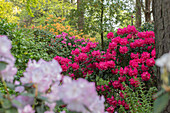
column 138, row 13
column 80, row 9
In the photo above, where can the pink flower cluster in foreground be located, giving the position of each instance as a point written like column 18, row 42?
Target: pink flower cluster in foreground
column 6, row 56
column 77, row 94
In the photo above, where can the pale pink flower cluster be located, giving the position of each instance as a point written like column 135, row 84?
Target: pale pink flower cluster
column 80, row 95
column 5, row 56
column 42, row 74
column 26, row 109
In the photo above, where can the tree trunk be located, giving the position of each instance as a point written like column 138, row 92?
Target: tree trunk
column 147, row 11
column 80, row 11
column 161, row 10
column 72, row 1
column 138, row 14
column 102, row 12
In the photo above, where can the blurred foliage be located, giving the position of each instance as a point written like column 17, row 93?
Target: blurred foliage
column 35, row 12
column 147, row 27
column 27, row 44
column 116, row 12
column 9, row 11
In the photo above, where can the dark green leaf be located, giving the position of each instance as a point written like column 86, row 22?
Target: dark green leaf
column 160, row 103
column 59, row 103
column 40, row 109
column 6, row 104
column 28, row 94
column 2, row 65
column 17, row 103
column 11, row 110
column 28, row 84
column 10, row 85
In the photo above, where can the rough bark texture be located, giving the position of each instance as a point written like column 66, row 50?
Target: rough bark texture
column 161, row 10
column 81, row 14
column 138, row 13
column 102, row 12
column 147, row 11
column 72, row 1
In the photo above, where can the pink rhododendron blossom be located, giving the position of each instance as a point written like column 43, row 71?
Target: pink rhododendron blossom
column 111, row 64
column 75, row 52
column 123, row 50
column 145, row 55
column 134, row 56
column 133, row 72
column 110, row 35
column 138, row 43
column 96, row 53
column 75, row 66
column 82, row 57
column 134, row 82
column 150, row 62
column 123, row 41
column 144, row 68
column 102, row 65
column 110, row 109
column 114, row 71
column 116, row 39
column 85, row 49
column 116, row 84
column 145, row 76
column 112, row 45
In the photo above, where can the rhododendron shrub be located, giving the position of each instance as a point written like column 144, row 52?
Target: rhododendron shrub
column 42, row 87
column 129, row 58
column 65, row 44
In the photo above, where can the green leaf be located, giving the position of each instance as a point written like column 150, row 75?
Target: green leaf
column 12, row 110
column 40, row 109
column 6, row 104
column 28, row 84
column 2, row 65
column 42, row 98
column 2, row 110
column 160, row 103
column 59, row 103
column 72, row 112
column 17, row 103
column 10, row 85
column 28, row 94
column 161, row 92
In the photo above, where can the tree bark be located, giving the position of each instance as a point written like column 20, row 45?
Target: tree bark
column 102, row 12
column 72, row 1
column 80, row 11
column 147, row 11
column 161, row 11
column 138, row 13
